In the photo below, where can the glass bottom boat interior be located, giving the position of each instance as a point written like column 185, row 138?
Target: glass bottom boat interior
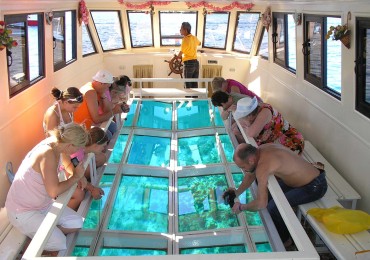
column 163, row 183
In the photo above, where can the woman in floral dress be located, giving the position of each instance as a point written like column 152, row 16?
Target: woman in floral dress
column 266, row 125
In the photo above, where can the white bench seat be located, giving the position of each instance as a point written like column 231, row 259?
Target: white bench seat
column 11, row 240
column 341, row 246
column 338, row 186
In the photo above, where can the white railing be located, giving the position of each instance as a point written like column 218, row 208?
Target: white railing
column 173, row 91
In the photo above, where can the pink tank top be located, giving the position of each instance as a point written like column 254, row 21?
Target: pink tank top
column 243, row 89
column 27, row 192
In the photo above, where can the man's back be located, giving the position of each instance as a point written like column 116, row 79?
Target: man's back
column 285, row 164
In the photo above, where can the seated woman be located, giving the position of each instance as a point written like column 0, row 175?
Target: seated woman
column 36, row 184
column 96, row 144
column 230, row 85
column 61, row 112
column 266, row 125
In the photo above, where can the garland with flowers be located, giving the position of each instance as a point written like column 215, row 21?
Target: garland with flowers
column 204, row 4
column 148, row 4
column 229, row 7
column 83, row 13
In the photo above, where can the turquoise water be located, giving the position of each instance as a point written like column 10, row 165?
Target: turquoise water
column 150, row 150
column 201, row 206
column 141, row 204
column 227, row 146
column 131, row 114
column 253, row 217
column 129, row 252
column 93, row 217
column 155, row 114
column 193, row 114
column 217, row 117
column 197, row 150
column 118, row 149
column 215, row 250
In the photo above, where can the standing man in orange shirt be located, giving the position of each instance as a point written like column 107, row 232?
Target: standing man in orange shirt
column 188, row 53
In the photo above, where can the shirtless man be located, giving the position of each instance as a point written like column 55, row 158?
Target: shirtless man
column 300, row 181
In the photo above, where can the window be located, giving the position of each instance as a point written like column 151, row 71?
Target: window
column 284, row 40
column 215, row 30
column 263, row 47
column 88, row 45
column 64, row 38
column 244, row 31
column 141, row 28
column 322, row 58
column 363, row 66
column 108, row 27
column 170, row 24
column 26, row 61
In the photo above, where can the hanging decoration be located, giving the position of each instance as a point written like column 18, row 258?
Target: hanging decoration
column 151, row 10
column 190, row 5
column 148, row 4
column 205, row 12
column 266, row 18
column 298, row 18
column 83, row 13
column 49, row 17
column 229, row 7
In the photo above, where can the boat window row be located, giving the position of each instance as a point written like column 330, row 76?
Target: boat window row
column 322, row 57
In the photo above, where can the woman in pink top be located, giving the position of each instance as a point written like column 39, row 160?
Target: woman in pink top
column 230, row 85
column 36, row 184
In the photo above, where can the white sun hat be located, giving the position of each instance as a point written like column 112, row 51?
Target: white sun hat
column 103, row 76
column 245, row 106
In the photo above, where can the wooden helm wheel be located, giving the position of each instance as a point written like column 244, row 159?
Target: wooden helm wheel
column 175, row 65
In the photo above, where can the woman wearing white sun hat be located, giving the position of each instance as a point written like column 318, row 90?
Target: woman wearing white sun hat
column 266, row 125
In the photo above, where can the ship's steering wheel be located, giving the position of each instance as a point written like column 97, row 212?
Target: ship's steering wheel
column 175, row 65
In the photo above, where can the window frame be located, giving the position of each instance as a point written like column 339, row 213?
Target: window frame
column 64, row 62
column 362, row 24
column 283, row 63
column 236, row 28
column 263, row 31
column 129, row 28
column 121, row 28
column 227, row 30
column 175, row 36
column 22, row 18
column 91, row 40
column 320, row 83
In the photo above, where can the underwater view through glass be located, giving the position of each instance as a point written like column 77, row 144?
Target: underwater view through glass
column 166, row 175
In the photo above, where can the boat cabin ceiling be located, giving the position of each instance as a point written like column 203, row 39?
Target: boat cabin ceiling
column 289, row 63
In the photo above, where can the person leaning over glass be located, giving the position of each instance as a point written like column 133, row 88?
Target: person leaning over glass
column 61, row 112
column 36, row 184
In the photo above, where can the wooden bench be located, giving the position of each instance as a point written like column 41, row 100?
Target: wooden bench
column 338, row 186
column 341, row 246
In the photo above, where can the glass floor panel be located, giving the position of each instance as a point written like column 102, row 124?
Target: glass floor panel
column 141, row 204
column 149, row 150
column 227, row 147
column 150, row 197
column 198, row 150
column 129, row 252
column 215, row 250
column 154, row 114
column 193, row 114
column 93, row 217
column 118, row 149
column 201, row 206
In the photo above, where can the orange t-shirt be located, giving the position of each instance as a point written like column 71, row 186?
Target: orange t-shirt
column 82, row 114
